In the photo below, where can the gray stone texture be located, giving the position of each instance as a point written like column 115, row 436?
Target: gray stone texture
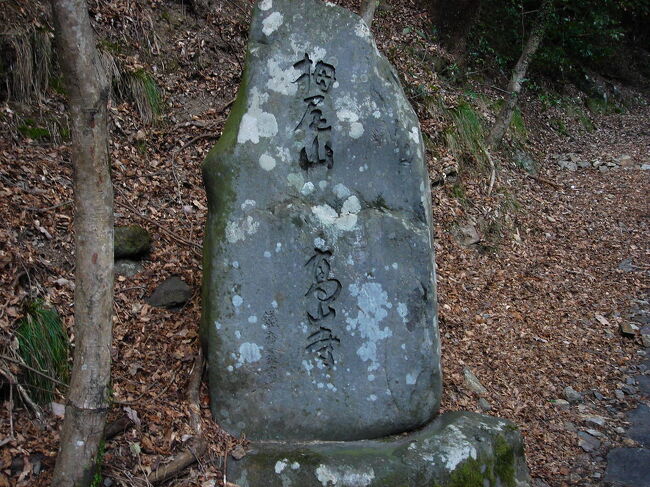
column 457, row 449
column 628, row 467
column 319, row 299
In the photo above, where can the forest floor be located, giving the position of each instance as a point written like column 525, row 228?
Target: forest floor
column 533, row 306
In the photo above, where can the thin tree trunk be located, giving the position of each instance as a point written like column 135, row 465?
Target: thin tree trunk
column 518, row 74
column 87, row 401
column 367, row 10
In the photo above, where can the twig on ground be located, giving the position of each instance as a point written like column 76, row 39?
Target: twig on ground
column 545, row 181
column 23, row 393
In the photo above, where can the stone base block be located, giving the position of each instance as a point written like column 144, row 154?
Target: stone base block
column 458, row 449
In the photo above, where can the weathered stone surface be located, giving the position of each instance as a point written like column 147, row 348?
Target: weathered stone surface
column 640, row 425
column 457, row 449
column 131, row 241
column 319, row 300
column 629, row 467
column 171, row 293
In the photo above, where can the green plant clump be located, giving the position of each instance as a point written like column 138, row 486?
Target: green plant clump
column 44, row 346
column 99, row 461
column 145, row 94
column 466, row 139
column 31, row 130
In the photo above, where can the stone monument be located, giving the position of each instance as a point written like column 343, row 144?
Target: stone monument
column 319, row 300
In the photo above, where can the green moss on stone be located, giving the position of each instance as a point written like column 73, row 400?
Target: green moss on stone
column 469, row 474
column 504, row 461
column 131, row 241
column 218, row 178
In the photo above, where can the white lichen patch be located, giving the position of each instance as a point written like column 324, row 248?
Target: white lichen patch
column 237, row 300
column 256, row 123
column 248, row 353
column 307, row 188
column 267, row 162
column 272, row 23
column 414, row 135
column 356, row 130
column 362, row 30
column 266, row 5
column 345, row 221
column 296, row 180
column 237, row 230
column 280, row 465
column 331, row 475
column 246, row 206
column 457, row 448
column 402, row 311
column 281, row 80
column 373, row 306
column 411, row 379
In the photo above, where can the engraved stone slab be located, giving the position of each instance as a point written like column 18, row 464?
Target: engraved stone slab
column 319, row 299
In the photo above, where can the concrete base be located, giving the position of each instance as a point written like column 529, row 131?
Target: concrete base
column 458, row 449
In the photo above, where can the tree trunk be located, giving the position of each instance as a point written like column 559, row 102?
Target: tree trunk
column 367, row 10
column 87, row 401
column 518, row 74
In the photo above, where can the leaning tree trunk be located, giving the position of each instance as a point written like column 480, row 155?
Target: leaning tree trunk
column 367, row 10
column 518, row 74
column 453, row 20
column 87, row 401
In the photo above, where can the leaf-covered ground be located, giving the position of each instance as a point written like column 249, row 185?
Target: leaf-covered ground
column 534, row 307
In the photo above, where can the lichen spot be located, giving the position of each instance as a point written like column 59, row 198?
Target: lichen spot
column 307, row 188
column 248, row 353
column 267, row 162
column 414, row 135
column 362, row 30
column 256, row 123
column 280, row 465
column 272, row 23
column 237, row 300
column 356, row 130
column 410, row 379
column 266, row 4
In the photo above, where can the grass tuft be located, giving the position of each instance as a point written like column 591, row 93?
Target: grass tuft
column 43, row 345
column 467, row 136
column 145, row 93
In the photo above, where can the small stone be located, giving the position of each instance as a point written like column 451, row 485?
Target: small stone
column 568, row 165
column 645, row 167
column 561, row 403
column 569, row 426
column 630, row 381
column 484, row 405
column 572, row 395
column 645, row 336
column 594, row 432
column 587, row 442
column 619, row 394
column 629, row 442
column 598, row 396
column 629, row 390
column 140, row 135
column 625, row 161
column 127, row 267
column 171, row 293
column 592, row 418
column 131, row 241
column 620, row 430
column 627, row 330
column 467, row 235
column 472, row 382
column 238, row 452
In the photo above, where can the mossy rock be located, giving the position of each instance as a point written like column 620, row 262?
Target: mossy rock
column 458, row 449
column 131, row 241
